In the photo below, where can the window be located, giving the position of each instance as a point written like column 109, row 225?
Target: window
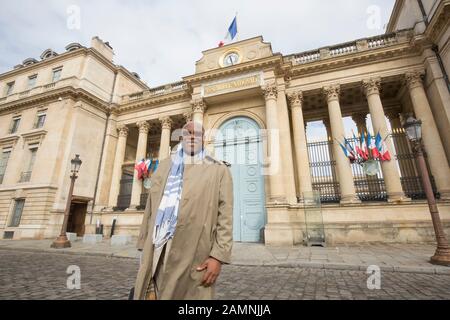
column 32, row 81
column 15, row 125
column 40, row 120
column 3, row 164
column 26, row 175
column 9, row 88
column 17, row 213
column 56, row 74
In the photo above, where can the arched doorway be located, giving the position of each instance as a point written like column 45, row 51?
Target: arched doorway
column 238, row 142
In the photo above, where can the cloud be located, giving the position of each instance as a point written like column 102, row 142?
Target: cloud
column 162, row 40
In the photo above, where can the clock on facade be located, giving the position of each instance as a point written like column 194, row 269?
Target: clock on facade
column 231, row 59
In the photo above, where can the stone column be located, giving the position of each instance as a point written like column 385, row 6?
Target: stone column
column 118, row 162
column 391, row 175
column 401, row 144
column 287, row 161
column 301, row 148
column 164, row 146
column 347, row 187
column 198, row 110
column 326, row 123
column 277, row 190
column 140, row 154
column 430, row 135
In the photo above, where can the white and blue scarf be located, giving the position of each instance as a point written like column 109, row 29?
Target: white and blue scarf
column 167, row 215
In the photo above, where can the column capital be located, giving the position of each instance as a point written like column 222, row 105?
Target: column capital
column 123, row 130
column 414, row 79
column 143, row 126
column 198, row 106
column 166, row 122
column 295, row 98
column 187, row 116
column 270, row 91
column 332, row 92
column 371, row 86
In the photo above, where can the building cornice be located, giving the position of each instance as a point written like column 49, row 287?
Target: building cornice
column 73, row 54
column 174, row 97
column 55, row 95
column 274, row 61
column 440, row 21
column 353, row 59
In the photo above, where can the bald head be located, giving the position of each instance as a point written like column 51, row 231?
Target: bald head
column 193, row 137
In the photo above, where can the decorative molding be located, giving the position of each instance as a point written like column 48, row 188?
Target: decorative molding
column 414, row 79
column 332, row 92
column 187, row 116
column 166, row 123
column 295, row 98
column 9, row 141
column 34, row 137
column 371, row 86
column 198, row 106
column 123, row 130
column 270, row 91
column 144, row 127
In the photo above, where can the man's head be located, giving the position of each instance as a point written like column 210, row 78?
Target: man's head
column 193, row 138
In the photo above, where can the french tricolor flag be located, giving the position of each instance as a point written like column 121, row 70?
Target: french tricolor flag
column 231, row 33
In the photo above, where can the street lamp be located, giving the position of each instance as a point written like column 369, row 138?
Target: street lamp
column 62, row 241
column 413, row 128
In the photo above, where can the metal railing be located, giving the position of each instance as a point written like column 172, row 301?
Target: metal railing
column 368, row 188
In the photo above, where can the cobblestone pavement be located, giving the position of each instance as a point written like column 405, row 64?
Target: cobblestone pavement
column 37, row 275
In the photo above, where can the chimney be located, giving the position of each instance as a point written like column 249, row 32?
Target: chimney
column 103, row 47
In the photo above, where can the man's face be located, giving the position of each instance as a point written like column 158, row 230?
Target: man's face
column 192, row 138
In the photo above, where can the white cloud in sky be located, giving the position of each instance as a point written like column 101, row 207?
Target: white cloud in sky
column 162, row 39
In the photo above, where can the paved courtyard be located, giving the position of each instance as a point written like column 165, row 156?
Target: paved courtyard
column 43, row 275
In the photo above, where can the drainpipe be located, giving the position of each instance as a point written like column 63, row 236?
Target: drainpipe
column 435, row 47
column 108, row 114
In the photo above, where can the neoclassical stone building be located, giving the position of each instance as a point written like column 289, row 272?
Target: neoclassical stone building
column 256, row 106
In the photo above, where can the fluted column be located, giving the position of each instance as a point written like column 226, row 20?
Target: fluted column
column 301, row 148
column 430, row 135
column 391, row 175
column 141, row 151
column 118, row 162
column 198, row 110
column 347, row 187
column 334, row 169
column 164, row 146
column 276, row 183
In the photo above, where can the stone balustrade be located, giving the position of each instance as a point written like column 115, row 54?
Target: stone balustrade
column 360, row 45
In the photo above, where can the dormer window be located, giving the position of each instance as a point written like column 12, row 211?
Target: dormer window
column 49, row 53
column 56, row 74
column 32, row 81
column 9, row 88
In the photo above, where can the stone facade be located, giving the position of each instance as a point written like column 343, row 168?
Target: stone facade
column 111, row 118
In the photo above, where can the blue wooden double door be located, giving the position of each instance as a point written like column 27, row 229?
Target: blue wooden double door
column 238, row 142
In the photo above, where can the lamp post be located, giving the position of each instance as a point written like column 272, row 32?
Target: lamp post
column 62, row 241
column 413, row 128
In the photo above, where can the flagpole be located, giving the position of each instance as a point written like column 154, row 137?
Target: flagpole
column 237, row 36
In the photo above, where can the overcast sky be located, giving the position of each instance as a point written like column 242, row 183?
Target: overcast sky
column 162, row 40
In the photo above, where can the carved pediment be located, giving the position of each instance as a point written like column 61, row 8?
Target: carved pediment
column 34, row 137
column 9, row 141
column 242, row 51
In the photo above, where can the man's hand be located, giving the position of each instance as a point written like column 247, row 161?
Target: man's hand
column 213, row 267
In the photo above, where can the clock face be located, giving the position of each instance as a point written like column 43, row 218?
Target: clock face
column 231, row 59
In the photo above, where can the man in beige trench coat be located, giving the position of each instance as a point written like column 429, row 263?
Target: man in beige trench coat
column 188, row 265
